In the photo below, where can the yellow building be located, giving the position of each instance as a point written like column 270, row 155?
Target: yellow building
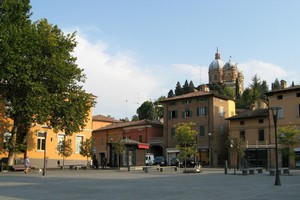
column 41, row 137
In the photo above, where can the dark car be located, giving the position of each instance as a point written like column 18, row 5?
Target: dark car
column 160, row 160
column 181, row 162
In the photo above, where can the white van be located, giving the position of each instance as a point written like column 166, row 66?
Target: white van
column 149, row 159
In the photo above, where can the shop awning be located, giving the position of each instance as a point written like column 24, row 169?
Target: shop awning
column 143, row 146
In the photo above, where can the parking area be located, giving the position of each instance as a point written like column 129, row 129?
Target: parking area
column 136, row 184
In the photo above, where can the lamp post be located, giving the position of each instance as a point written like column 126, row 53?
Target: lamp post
column 275, row 115
column 45, row 162
column 209, row 149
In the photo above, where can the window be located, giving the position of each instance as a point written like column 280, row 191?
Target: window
column 261, row 135
column 243, row 135
column 201, row 131
column 187, row 113
column 79, row 140
column 221, row 130
column 173, row 114
column 279, row 97
column 173, row 133
column 298, row 94
column 201, row 111
column 242, row 122
column 299, row 110
column 187, row 101
column 60, row 139
column 140, row 138
column 41, row 141
column 201, row 99
column 261, row 121
column 280, row 113
column 221, row 111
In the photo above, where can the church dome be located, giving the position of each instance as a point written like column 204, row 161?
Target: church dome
column 217, row 64
column 230, row 65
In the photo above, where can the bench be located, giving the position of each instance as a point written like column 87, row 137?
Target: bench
column 251, row 171
column 76, row 167
column 18, row 168
column 248, row 171
column 281, row 171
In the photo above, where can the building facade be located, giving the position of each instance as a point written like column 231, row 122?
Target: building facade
column 256, row 129
column 43, row 142
column 146, row 136
column 208, row 112
column 288, row 100
column 252, row 127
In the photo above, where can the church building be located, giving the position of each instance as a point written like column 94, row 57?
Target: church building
column 227, row 74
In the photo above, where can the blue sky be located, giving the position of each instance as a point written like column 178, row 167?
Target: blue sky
column 137, row 50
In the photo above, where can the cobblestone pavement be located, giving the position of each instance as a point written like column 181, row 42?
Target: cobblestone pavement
column 136, row 185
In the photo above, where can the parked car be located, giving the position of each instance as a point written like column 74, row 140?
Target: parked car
column 181, row 162
column 160, row 160
column 149, row 159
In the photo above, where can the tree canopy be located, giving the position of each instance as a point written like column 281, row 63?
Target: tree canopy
column 41, row 80
column 185, row 138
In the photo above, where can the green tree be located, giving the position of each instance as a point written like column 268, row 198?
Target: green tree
column 42, row 79
column 185, row 87
column 185, row 138
column 276, row 84
column 171, row 94
column 119, row 148
column 236, row 149
column 191, row 86
column 178, row 89
column 65, row 149
column 150, row 110
column 287, row 137
column 87, row 149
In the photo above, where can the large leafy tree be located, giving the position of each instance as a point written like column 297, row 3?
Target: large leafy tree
column 185, row 138
column 41, row 80
column 150, row 110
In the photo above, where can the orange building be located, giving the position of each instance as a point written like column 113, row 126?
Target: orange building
column 40, row 138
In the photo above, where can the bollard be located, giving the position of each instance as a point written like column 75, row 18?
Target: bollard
column 225, row 167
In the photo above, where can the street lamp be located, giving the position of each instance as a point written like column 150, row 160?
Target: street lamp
column 275, row 115
column 45, row 162
column 209, row 149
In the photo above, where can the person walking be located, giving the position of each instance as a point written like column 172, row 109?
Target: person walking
column 26, row 164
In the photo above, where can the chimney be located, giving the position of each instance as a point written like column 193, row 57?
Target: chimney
column 282, row 84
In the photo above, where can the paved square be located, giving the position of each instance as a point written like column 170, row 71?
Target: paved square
column 167, row 185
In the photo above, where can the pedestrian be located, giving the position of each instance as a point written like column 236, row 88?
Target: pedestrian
column 26, row 164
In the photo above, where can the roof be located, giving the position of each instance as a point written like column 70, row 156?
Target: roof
column 130, row 124
column 103, row 118
column 250, row 114
column 289, row 89
column 194, row 94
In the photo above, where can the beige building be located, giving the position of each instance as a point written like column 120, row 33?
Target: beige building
column 256, row 129
column 208, row 111
column 253, row 128
column 288, row 100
